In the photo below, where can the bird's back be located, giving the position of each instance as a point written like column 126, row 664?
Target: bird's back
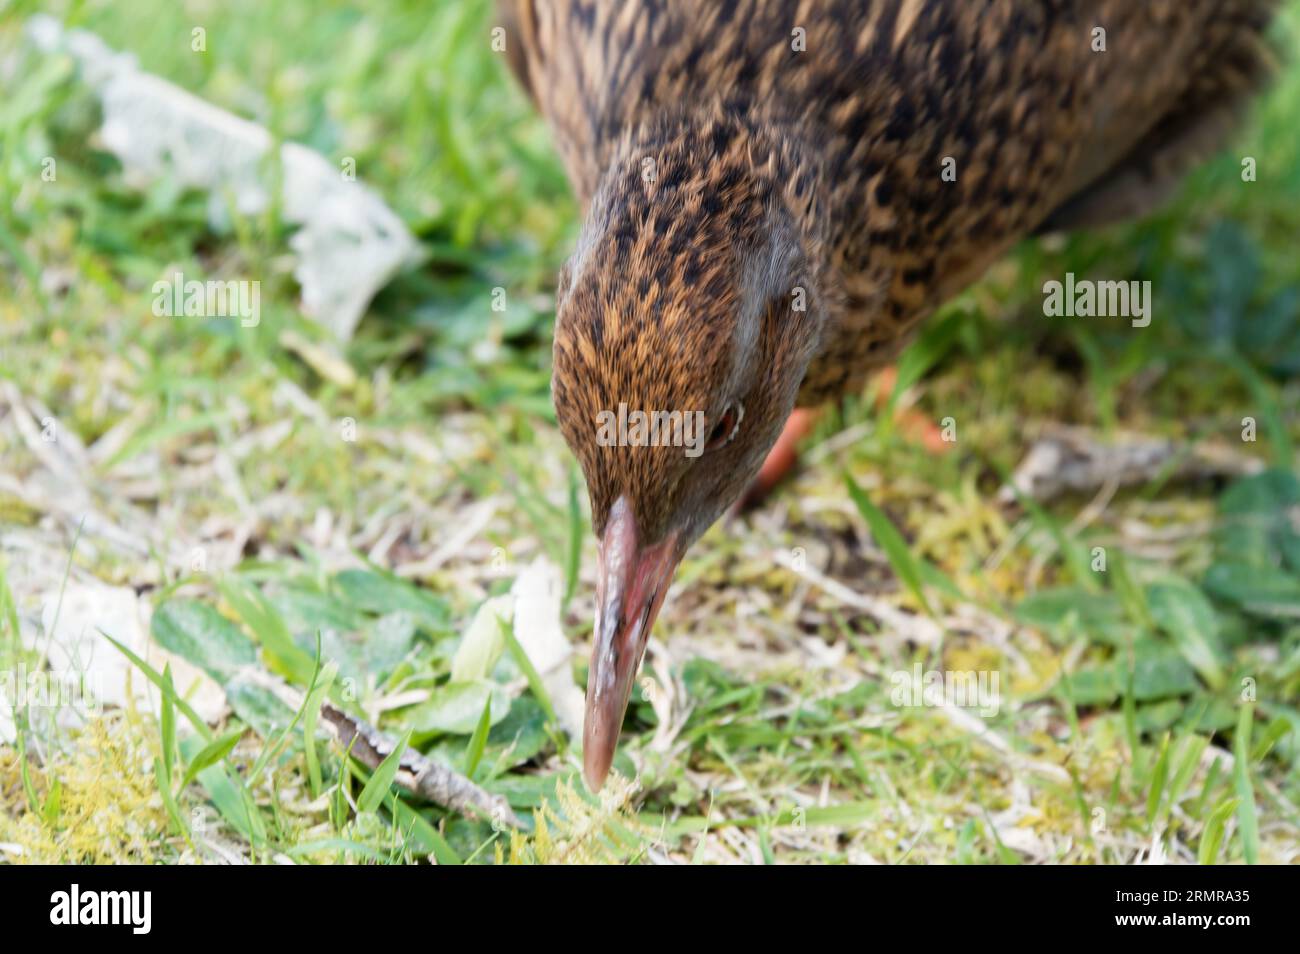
column 945, row 130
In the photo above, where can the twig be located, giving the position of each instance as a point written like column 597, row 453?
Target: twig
column 416, row 773
column 1076, row 460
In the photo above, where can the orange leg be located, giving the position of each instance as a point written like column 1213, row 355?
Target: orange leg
column 915, row 426
column 783, row 456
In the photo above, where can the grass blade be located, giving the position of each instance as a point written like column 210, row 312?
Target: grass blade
column 211, row 754
column 1246, row 819
column 478, row 741
column 1212, row 837
column 892, row 542
column 372, row 796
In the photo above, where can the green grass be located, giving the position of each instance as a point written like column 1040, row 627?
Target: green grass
column 1149, row 704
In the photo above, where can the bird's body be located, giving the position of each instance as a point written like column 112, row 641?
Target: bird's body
column 778, row 191
column 873, row 97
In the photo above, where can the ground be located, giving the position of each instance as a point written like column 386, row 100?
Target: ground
column 233, row 504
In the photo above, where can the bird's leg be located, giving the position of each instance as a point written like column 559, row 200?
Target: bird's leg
column 915, row 426
column 781, row 458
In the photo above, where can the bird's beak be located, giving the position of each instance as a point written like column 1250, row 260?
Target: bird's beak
column 630, row 586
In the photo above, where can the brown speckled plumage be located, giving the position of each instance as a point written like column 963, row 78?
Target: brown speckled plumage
column 847, row 138
column 773, row 170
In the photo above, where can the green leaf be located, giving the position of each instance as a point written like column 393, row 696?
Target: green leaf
column 483, row 642
column 262, row 618
column 53, row 805
column 211, row 754
column 456, row 707
column 1131, row 595
column 934, row 341
column 1158, row 672
column 8, row 609
column 1269, row 493
column 1066, row 611
column 1183, row 612
column 258, row 706
column 1263, row 396
column 199, row 634
column 378, row 592
column 171, row 427
column 521, row 734
column 163, row 784
column 372, row 796
column 891, row 541
column 1262, row 590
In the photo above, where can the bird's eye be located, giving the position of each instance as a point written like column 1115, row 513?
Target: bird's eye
column 727, row 426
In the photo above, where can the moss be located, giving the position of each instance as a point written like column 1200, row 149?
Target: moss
column 104, row 807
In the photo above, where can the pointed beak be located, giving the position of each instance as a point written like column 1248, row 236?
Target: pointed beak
column 630, row 586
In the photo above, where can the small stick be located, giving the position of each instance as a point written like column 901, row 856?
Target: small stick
column 417, row 774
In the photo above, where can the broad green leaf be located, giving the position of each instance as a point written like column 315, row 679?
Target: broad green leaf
column 1270, row 493
column 456, row 707
column 1158, row 672
column 1183, row 612
column 199, row 634
column 521, row 734
column 483, row 642
column 258, row 706
column 1262, row 590
column 1069, row 610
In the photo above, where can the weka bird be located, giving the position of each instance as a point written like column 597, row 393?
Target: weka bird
column 777, row 191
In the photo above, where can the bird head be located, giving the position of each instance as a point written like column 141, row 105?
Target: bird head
column 685, row 321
